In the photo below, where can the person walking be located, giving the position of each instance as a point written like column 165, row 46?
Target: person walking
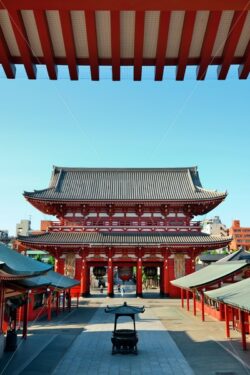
column 122, row 291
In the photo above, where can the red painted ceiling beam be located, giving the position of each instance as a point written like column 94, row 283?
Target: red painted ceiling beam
column 9, row 68
column 138, row 46
column 231, row 43
column 136, row 5
column 244, row 69
column 23, row 43
column 69, row 44
column 208, row 43
column 92, row 44
column 115, row 45
column 44, row 35
column 186, row 39
column 162, row 45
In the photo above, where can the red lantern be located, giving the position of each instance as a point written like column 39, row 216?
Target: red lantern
column 125, row 273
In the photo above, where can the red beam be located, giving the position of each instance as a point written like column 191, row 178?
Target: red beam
column 115, row 45
column 208, row 43
column 162, row 45
column 186, row 39
column 44, row 35
column 244, row 69
column 137, row 5
column 138, row 47
column 23, row 43
column 92, row 44
column 5, row 57
column 231, row 43
column 69, row 44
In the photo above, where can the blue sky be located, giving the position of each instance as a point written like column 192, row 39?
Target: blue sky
column 119, row 124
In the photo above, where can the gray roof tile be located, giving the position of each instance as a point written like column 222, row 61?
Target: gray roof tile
column 16, row 264
column 130, row 184
column 131, row 238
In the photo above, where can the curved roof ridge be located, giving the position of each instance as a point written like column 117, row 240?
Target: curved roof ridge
column 125, row 169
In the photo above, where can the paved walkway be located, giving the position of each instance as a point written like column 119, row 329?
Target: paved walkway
column 171, row 341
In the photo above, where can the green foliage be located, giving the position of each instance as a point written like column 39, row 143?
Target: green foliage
column 38, row 257
column 51, row 260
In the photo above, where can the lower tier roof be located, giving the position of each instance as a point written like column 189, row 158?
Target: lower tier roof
column 124, row 239
column 14, row 264
column 210, row 274
column 236, row 294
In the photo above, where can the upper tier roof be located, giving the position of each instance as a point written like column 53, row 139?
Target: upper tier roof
column 125, row 184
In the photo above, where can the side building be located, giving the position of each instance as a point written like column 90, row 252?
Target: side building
column 118, row 218
column 240, row 235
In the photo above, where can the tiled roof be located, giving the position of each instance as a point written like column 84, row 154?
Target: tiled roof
column 209, row 274
column 236, row 294
column 130, row 238
column 125, row 309
column 211, row 257
column 237, row 255
column 16, row 264
column 85, row 184
column 51, row 278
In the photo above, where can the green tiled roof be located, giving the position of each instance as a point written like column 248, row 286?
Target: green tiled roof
column 236, row 294
column 125, row 184
column 209, row 274
column 13, row 263
column 129, row 238
column 52, row 278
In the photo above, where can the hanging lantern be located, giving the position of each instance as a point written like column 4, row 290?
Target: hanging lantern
column 150, row 272
column 125, row 273
column 99, row 272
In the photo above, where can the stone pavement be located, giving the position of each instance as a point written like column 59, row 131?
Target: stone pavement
column 171, row 341
column 90, row 353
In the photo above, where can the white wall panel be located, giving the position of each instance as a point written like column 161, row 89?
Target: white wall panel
column 8, row 33
column 103, row 29
column 151, row 28
column 174, row 35
column 222, row 33
column 127, row 33
column 32, row 33
column 55, row 29
column 198, row 33
column 80, row 34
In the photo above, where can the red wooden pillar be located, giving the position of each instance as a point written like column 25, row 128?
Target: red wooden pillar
column 202, row 307
column 59, row 265
column 64, row 300
column 221, row 309
column 25, row 318
column 162, row 280
column 194, row 302
column 187, row 294
column 110, row 278
column 182, row 298
column 1, row 305
column 227, row 320
column 243, row 329
column 85, row 279
column 139, row 278
column 49, row 305
column 166, row 278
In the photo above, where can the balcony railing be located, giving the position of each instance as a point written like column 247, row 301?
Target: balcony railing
column 132, row 227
